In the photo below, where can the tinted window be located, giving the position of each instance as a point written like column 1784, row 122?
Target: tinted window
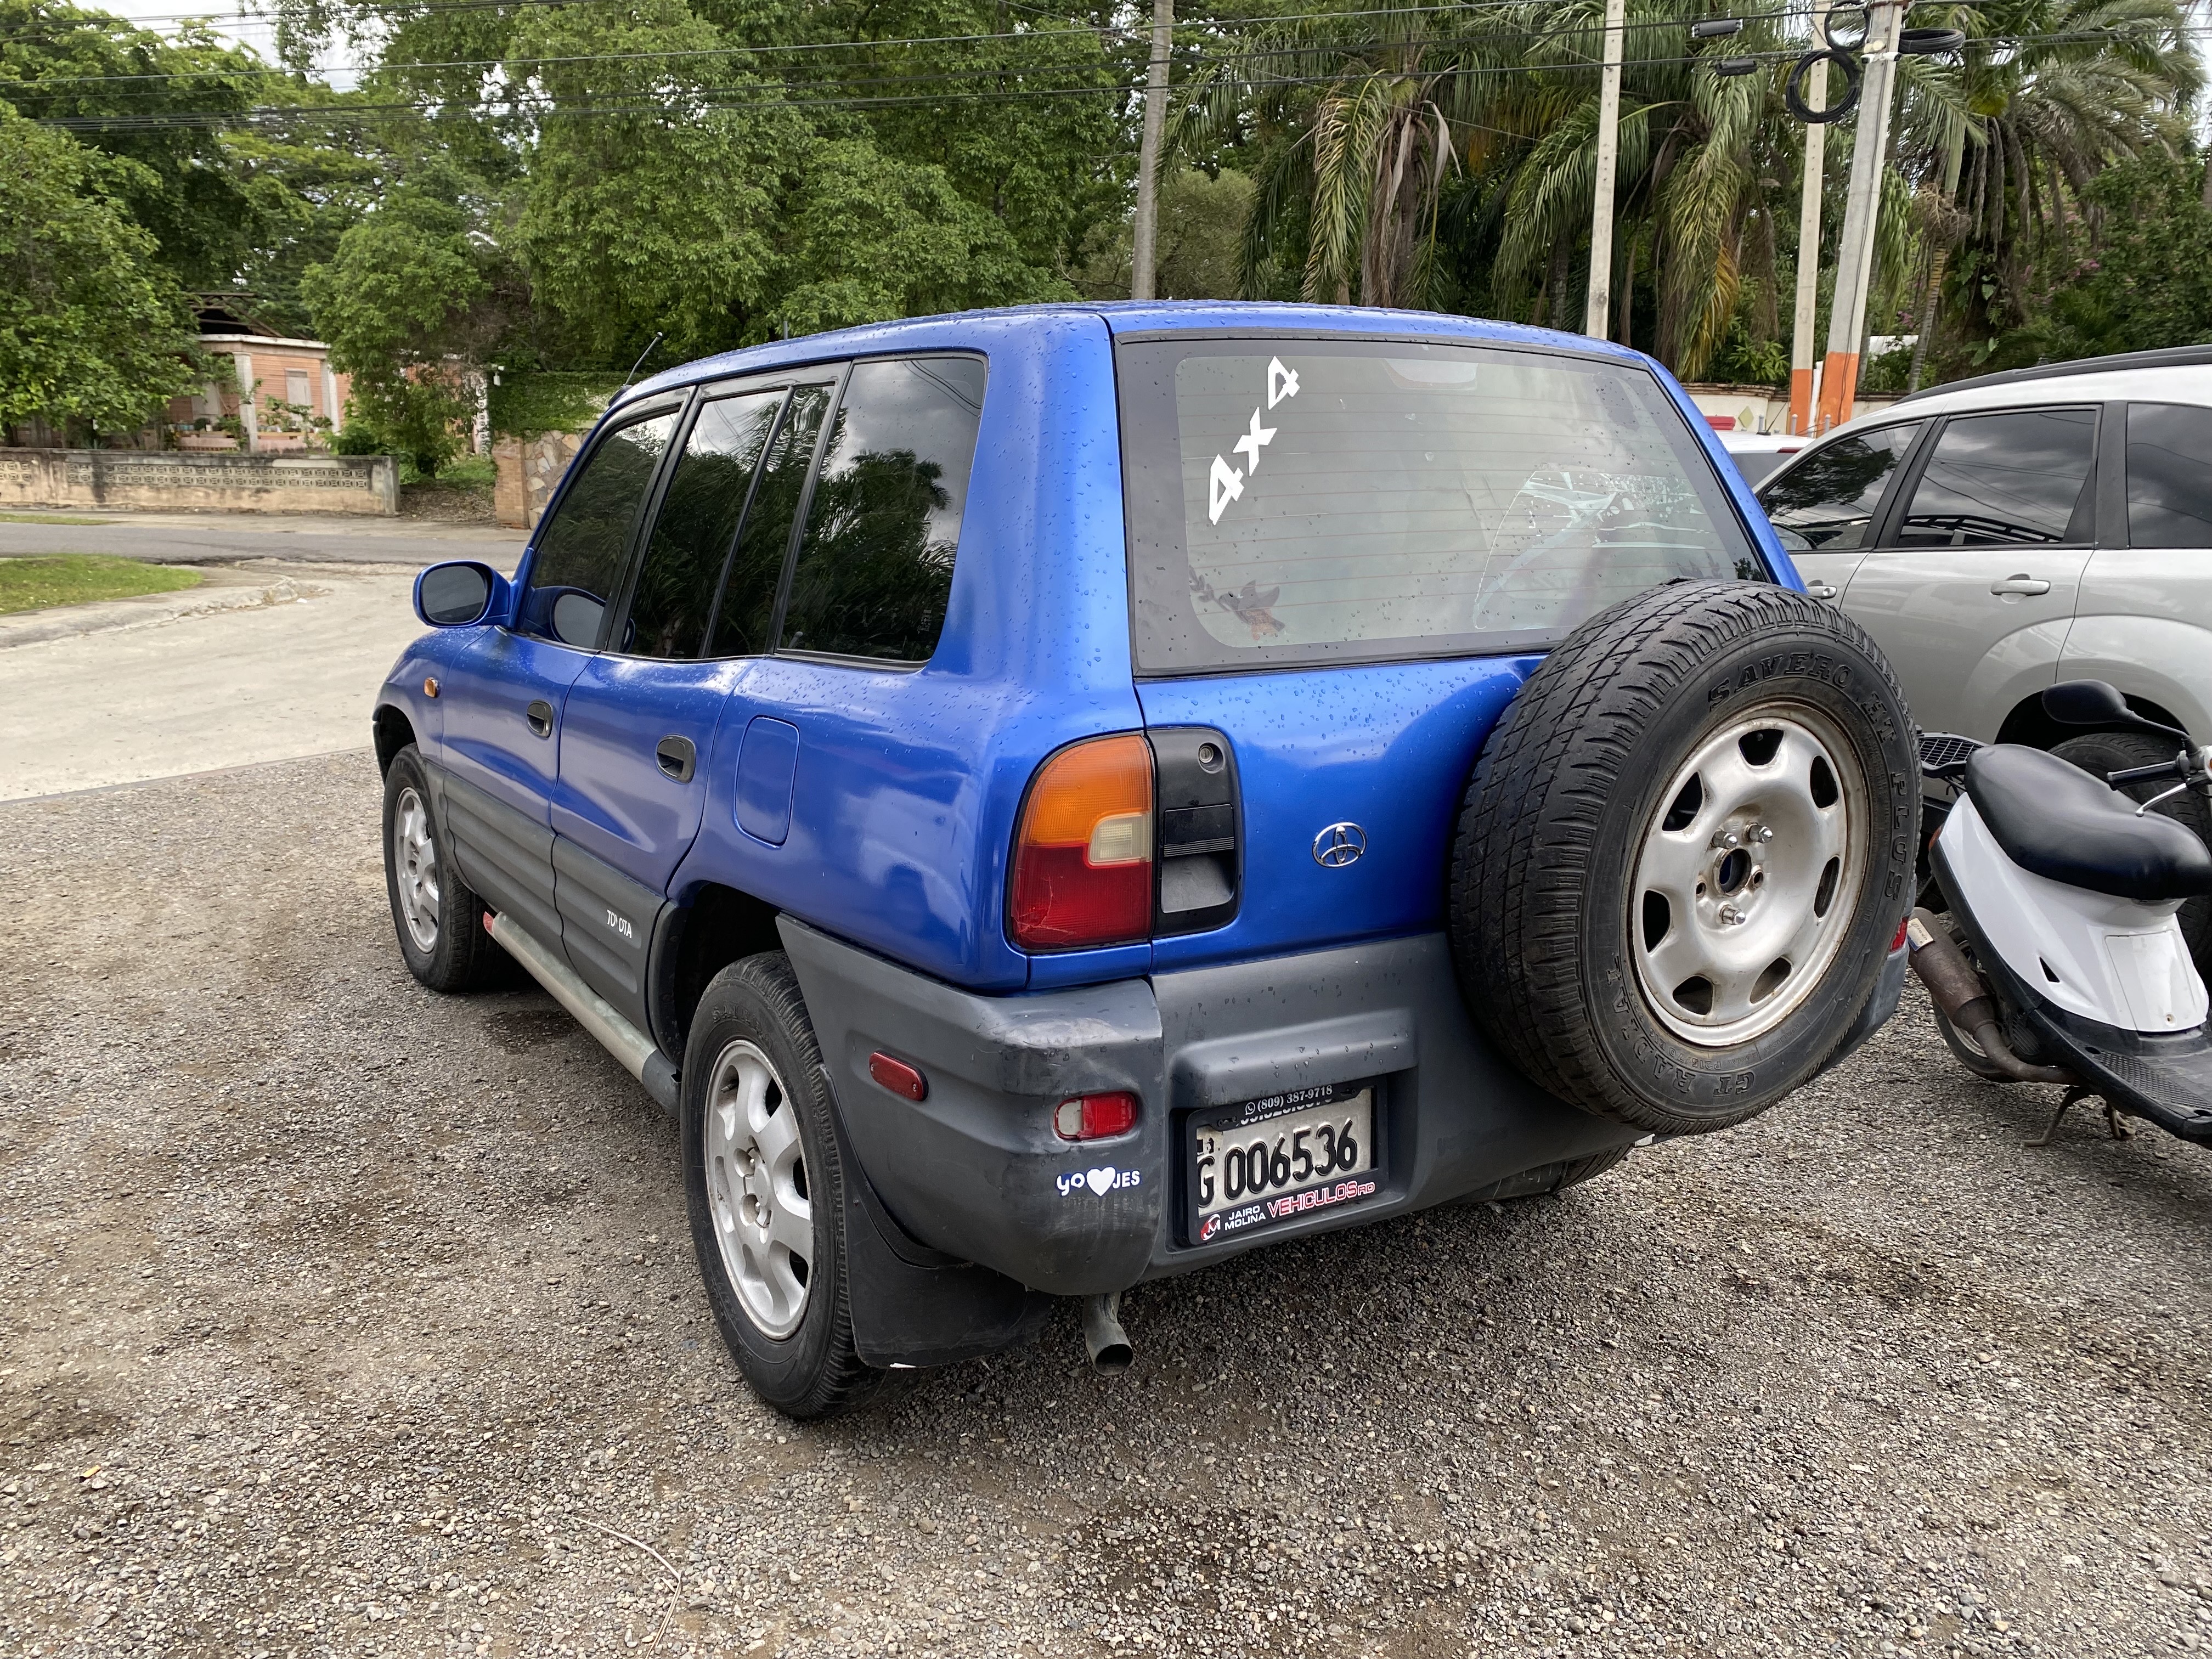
column 741, row 624
column 1826, row 502
column 697, row 522
column 2006, row 481
column 1317, row 501
column 2169, row 475
column 583, row 553
column 875, row 569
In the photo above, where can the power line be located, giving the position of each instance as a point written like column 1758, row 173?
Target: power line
column 804, row 96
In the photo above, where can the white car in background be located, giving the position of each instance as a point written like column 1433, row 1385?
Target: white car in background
column 2001, row 534
column 1756, row 454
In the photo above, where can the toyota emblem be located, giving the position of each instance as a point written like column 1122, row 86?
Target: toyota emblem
column 1339, row 845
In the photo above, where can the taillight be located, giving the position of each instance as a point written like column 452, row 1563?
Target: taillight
column 1094, row 1117
column 1083, row 856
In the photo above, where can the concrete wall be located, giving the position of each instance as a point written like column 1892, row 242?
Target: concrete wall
column 1762, row 408
column 167, row 482
column 525, row 471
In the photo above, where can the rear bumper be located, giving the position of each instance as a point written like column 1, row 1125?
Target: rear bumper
column 975, row 1171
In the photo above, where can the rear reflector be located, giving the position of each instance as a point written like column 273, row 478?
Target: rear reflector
column 1093, row 1117
column 1083, row 856
column 898, row 1076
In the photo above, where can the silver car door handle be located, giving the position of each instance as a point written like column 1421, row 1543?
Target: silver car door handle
column 1821, row 590
column 2020, row 582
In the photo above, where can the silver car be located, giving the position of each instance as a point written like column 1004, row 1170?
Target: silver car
column 1997, row 535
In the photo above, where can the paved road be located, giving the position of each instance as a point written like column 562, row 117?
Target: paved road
column 212, row 538
column 338, row 1318
column 169, row 684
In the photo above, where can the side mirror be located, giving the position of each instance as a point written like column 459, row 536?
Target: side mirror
column 2087, row 702
column 458, row 594
column 2093, row 702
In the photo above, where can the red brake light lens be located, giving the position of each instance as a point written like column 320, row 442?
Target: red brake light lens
column 1083, row 856
column 1094, row 1117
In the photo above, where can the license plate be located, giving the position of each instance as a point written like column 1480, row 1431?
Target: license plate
column 1270, row 1161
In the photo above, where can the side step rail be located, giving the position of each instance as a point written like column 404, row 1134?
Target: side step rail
column 639, row 1055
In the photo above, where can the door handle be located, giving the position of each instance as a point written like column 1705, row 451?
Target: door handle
column 1821, row 590
column 540, row 716
column 678, row 758
column 2020, row 583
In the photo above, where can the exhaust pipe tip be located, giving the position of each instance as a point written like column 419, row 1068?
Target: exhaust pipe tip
column 1103, row 1339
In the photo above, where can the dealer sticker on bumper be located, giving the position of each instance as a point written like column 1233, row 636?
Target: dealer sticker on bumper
column 1269, row 1161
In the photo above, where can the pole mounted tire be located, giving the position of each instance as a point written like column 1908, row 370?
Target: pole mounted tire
column 1686, row 853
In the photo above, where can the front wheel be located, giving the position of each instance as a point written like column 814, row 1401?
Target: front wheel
column 438, row 916
column 766, row 1191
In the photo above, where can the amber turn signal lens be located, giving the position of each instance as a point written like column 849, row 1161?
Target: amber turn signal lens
column 1083, row 856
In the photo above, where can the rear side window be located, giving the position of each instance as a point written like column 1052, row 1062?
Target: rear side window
column 1301, row 502
column 2017, row 479
column 1826, row 503
column 741, row 621
column 698, row 519
column 875, row 568
column 583, row 553
column 2169, row 475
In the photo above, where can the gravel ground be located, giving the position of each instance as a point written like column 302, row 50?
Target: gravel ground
column 340, row 1318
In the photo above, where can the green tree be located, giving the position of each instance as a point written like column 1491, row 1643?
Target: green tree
column 93, row 333
column 403, row 306
column 1201, row 242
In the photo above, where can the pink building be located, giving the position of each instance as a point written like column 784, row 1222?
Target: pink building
column 281, row 397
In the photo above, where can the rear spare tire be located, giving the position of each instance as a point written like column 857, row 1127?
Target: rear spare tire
column 1684, row 853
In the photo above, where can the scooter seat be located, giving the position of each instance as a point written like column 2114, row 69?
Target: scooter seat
column 2055, row 820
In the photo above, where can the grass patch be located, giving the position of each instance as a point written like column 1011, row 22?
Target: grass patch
column 81, row 578
column 47, row 518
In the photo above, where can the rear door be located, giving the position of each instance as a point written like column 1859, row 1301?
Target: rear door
column 1826, row 507
column 639, row 732
column 1345, row 555
column 2145, row 621
column 1972, row 590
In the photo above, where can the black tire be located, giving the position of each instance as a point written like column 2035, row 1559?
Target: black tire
column 1568, row 792
column 2101, row 752
column 460, row 955
column 812, row 1371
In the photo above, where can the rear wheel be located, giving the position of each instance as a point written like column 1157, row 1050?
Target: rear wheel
column 2102, row 753
column 766, row 1191
column 1684, row 853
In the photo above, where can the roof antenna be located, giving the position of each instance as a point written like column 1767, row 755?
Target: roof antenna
column 640, row 363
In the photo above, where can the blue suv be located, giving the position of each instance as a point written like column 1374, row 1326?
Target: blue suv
column 1055, row 798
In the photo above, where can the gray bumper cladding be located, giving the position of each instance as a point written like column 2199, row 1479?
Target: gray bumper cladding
column 973, row 1169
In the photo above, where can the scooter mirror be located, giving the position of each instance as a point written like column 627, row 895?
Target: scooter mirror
column 2087, row 702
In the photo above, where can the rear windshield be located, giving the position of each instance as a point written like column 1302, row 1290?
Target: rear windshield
column 1298, row 501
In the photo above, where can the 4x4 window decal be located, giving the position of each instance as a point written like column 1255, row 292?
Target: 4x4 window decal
column 1226, row 482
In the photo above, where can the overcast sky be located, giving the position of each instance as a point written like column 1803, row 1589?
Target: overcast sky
column 253, row 28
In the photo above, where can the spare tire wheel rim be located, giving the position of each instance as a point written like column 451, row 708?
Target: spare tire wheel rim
column 757, row 1188
column 1748, row 875
column 414, row 863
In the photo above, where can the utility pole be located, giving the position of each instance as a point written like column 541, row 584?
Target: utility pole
column 1840, row 370
column 1597, row 301
column 1808, row 237
column 1144, row 251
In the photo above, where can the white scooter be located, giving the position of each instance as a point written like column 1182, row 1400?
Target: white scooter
column 2060, row 960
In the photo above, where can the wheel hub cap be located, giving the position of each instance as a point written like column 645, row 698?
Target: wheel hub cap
column 756, row 1189
column 414, row 860
column 1748, row 877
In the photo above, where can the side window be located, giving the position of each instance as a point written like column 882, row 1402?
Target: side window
column 741, row 622
column 875, row 568
column 584, row 552
column 674, row 603
column 1826, row 502
column 2019, row 479
column 2169, row 475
